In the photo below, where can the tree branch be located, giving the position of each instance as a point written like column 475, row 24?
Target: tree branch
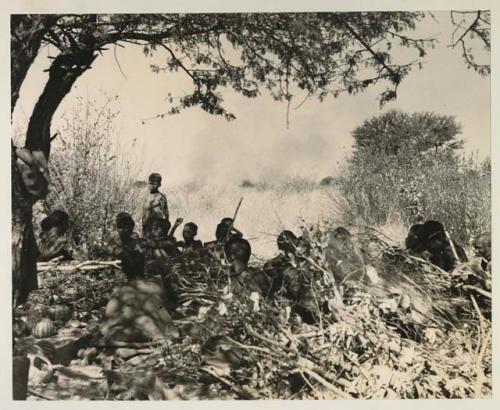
column 179, row 63
column 395, row 76
column 470, row 28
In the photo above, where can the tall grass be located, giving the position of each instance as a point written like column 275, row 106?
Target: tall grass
column 266, row 209
column 452, row 189
column 92, row 180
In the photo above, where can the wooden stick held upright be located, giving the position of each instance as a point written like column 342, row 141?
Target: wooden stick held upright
column 452, row 245
column 234, row 218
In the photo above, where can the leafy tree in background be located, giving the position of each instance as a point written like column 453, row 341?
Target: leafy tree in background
column 321, row 53
column 409, row 167
column 405, row 135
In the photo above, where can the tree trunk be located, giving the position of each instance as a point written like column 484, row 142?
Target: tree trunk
column 63, row 72
column 24, row 249
column 26, row 37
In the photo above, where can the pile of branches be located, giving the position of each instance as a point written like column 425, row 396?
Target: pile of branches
column 418, row 333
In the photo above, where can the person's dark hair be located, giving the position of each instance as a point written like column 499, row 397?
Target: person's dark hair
column 193, row 226
column 56, row 218
column 287, row 241
column 341, row 232
column 222, row 230
column 415, row 240
column 431, row 228
column 124, row 219
column 238, row 251
column 155, row 177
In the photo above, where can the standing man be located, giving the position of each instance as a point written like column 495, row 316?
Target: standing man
column 156, row 206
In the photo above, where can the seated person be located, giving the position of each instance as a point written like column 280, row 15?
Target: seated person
column 482, row 247
column 237, row 252
column 275, row 268
column 162, row 243
column 190, row 244
column 123, row 243
column 54, row 239
column 429, row 241
column 226, row 231
column 223, row 233
column 343, row 256
column 123, row 237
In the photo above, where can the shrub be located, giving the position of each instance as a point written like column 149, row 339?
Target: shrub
column 328, row 181
column 454, row 190
column 91, row 179
column 247, row 184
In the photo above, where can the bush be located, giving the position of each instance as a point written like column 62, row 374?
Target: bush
column 442, row 186
column 328, row 181
column 247, row 184
column 91, row 180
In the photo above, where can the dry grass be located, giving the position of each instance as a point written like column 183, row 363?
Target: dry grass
column 264, row 213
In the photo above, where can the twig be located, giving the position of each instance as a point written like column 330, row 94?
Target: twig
column 478, row 290
column 118, row 63
column 320, row 395
column 34, row 393
column 251, row 332
column 106, row 263
column 452, row 245
column 479, row 370
column 243, row 394
column 130, row 345
column 325, row 383
column 234, row 218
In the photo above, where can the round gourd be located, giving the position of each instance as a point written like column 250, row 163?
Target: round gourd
column 30, row 323
column 60, row 313
column 44, row 328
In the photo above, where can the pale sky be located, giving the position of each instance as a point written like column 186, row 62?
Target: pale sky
column 195, row 146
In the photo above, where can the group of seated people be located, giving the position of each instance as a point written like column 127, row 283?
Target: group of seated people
column 158, row 242
column 428, row 240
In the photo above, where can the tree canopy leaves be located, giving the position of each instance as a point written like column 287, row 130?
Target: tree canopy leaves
column 321, row 53
column 397, row 133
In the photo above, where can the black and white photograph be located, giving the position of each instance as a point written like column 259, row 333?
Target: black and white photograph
column 250, row 205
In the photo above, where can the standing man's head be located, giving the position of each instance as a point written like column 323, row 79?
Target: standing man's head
column 189, row 232
column 124, row 225
column 154, row 182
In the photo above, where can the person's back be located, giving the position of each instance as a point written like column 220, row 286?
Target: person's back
column 123, row 243
column 430, row 241
column 276, row 267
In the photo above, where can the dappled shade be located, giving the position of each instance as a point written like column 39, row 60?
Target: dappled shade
column 138, row 312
